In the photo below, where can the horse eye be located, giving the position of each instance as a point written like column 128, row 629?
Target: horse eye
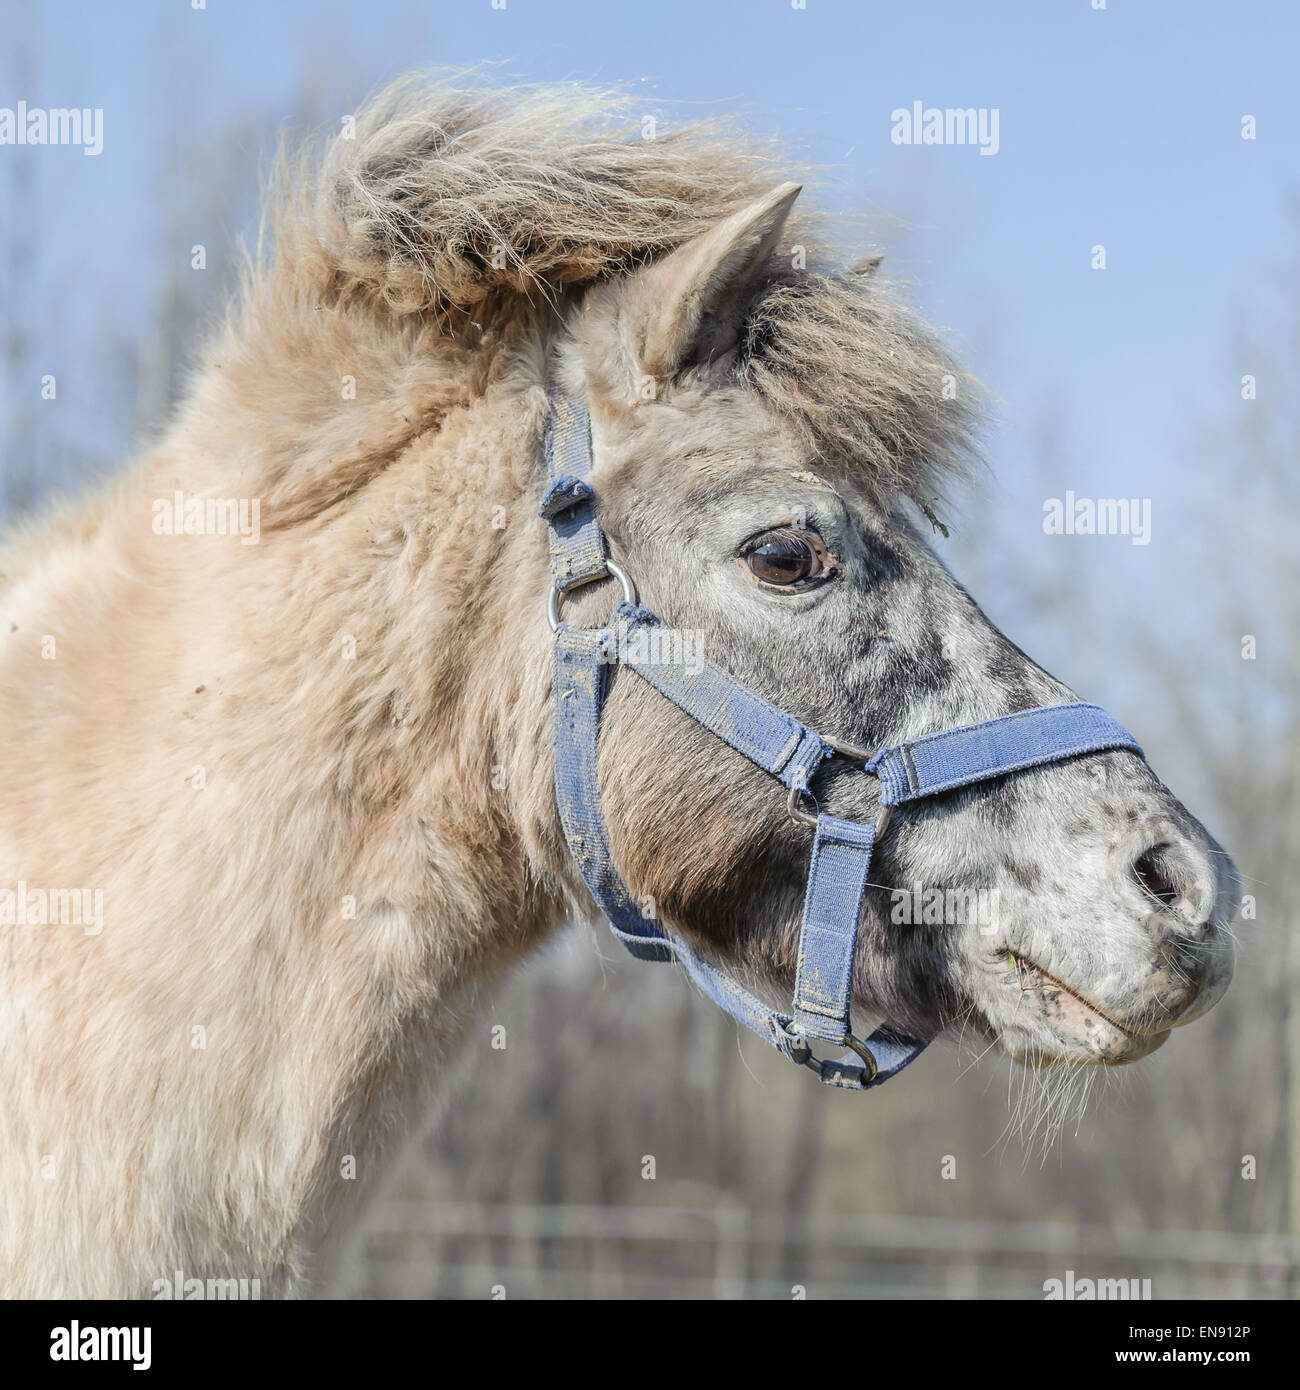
column 786, row 558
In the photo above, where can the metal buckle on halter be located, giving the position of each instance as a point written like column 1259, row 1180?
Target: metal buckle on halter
column 853, row 754
column 803, row 1055
column 554, row 598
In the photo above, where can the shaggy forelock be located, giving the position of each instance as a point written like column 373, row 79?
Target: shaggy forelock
column 864, row 380
column 459, row 200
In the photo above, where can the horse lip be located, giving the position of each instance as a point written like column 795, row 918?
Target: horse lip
column 1032, row 968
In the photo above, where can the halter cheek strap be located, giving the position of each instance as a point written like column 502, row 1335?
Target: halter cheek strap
column 774, row 741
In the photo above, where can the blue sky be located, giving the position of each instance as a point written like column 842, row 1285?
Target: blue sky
column 1119, row 127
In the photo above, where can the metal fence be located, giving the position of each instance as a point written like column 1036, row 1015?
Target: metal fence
column 450, row 1250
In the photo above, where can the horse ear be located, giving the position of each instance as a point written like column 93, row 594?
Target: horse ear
column 687, row 306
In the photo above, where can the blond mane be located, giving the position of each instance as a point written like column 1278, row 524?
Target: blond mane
column 462, row 203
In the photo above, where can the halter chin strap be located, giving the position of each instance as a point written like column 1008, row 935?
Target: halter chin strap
column 772, row 740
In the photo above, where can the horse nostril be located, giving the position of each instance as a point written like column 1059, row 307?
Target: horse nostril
column 1153, row 879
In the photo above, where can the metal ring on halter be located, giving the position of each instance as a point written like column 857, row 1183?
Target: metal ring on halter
column 802, row 817
column 556, row 594
column 797, row 813
column 803, row 1055
column 847, row 750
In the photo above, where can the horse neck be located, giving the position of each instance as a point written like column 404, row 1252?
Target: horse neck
column 367, row 691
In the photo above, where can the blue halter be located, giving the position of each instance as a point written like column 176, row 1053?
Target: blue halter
column 781, row 746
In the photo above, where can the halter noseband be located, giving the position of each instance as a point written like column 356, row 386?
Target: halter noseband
column 782, row 747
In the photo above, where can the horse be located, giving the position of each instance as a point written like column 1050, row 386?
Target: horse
column 277, row 715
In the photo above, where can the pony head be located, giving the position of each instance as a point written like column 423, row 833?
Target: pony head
column 766, row 448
